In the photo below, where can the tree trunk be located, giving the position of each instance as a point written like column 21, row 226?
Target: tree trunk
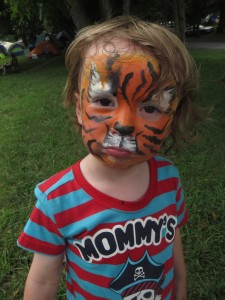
column 179, row 18
column 78, row 14
column 221, row 23
column 126, row 7
column 176, row 22
column 105, row 9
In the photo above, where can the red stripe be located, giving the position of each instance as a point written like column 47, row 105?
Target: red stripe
column 163, row 163
column 179, row 193
column 78, row 213
column 169, row 264
column 184, row 220
column 37, row 245
column 181, row 209
column 99, row 280
column 52, row 180
column 69, row 287
column 67, row 188
column 167, row 290
column 166, row 186
column 41, row 219
column 84, row 293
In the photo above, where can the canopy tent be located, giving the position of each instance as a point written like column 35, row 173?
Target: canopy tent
column 13, row 48
column 2, row 51
column 44, row 48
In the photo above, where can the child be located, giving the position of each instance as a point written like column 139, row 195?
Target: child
column 115, row 215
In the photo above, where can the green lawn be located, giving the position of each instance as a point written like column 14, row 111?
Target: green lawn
column 37, row 139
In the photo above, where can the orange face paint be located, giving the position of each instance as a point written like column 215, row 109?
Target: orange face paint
column 124, row 118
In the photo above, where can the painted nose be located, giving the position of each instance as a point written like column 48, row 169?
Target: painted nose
column 123, row 130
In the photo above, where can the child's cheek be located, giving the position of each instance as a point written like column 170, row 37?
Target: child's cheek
column 153, row 134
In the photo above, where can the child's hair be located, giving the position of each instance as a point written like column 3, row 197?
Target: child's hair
column 176, row 65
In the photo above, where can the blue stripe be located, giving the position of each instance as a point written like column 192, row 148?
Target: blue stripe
column 64, row 179
column 168, row 279
column 166, row 172
column 45, row 207
column 70, row 200
column 161, row 158
column 40, row 233
column 71, row 297
column 165, row 255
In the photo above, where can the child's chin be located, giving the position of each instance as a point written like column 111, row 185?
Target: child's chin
column 122, row 163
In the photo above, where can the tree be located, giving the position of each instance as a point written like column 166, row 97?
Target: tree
column 105, row 9
column 5, row 23
column 78, row 13
column 179, row 18
column 25, row 14
column 126, row 7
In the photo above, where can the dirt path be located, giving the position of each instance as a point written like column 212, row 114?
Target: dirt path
column 210, row 41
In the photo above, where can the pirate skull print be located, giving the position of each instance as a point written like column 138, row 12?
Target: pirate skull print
column 123, row 115
column 140, row 280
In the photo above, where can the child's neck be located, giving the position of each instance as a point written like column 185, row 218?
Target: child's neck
column 128, row 184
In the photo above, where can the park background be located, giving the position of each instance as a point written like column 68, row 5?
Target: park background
column 37, row 137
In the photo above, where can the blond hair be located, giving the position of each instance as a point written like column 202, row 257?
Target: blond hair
column 176, row 64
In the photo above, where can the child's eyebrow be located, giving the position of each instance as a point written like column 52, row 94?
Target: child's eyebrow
column 97, row 95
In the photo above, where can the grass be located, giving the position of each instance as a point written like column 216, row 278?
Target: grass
column 37, row 139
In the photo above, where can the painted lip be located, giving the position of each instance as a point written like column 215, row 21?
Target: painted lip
column 118, row 152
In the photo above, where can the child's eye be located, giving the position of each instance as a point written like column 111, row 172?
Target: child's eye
column 150, row 109
column 104, row 102
column 150, row 112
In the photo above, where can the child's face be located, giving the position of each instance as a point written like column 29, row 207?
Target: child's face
column 124, row 120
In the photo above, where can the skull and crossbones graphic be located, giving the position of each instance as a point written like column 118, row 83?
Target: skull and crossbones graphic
column 139, row 273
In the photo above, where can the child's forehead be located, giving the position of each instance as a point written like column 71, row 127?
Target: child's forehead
column 122, row 51
column 111, row 46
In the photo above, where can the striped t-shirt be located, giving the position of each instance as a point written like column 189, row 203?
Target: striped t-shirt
column 114, row 249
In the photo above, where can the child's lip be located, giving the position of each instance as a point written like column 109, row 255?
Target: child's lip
column 117, row 152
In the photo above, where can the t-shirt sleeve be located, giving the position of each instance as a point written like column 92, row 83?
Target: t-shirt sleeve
column 41, row 234
column 182, row 213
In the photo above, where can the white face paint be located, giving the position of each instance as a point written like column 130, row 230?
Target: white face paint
column 164, row 99
column 96, row 86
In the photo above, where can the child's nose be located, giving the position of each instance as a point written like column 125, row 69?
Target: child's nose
column 123, row 130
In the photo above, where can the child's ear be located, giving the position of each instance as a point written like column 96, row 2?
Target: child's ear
column 78, row 108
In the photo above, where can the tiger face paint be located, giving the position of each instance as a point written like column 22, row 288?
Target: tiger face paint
column 124, row 118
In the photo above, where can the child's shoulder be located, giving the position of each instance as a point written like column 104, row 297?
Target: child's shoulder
column 60, row 180
column 166, row 166
column 162, row 161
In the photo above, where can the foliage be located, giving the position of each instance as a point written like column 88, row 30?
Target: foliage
column 25, row 19
column 55, row 15
column 154, row 11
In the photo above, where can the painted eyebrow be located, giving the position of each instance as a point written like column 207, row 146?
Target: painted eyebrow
column 100, row 93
